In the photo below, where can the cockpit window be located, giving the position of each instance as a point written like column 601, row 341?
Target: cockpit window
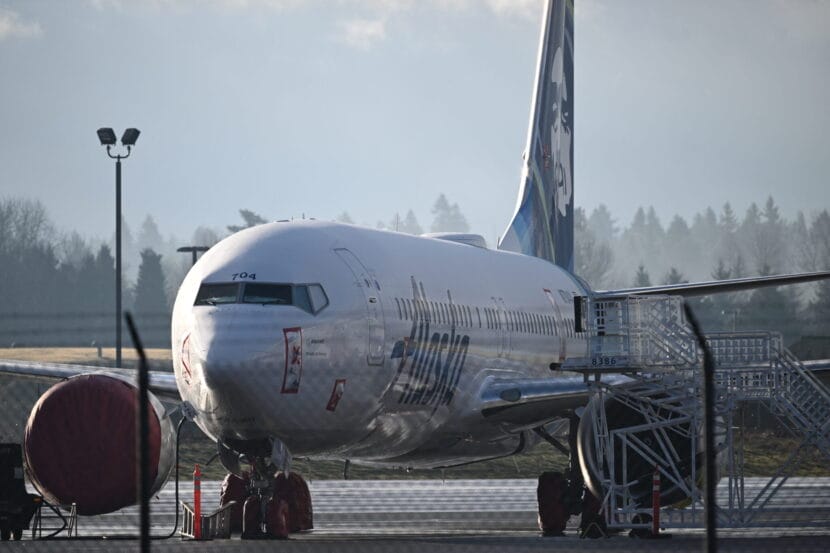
column 318, row 298
column 301, row 298
column 270, row 294
column 308, row 297
column 214, row 294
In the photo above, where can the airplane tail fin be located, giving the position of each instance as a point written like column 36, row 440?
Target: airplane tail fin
column 543, row 223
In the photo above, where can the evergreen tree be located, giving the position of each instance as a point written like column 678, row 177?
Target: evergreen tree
column 772, row 309
column 673, row 277
column 721, row 272
column 151, row 311
column 104, row 269
column 149, row 289
column 410, row 224
column 641, row 279
column 345, row 218
column 448, row 217
column 653, row 228
column 602, row 224
column 204, row 236
column 149, row 235
column 678, row 231
column 250, row 218
column 728, row 222
column 819, row 316
column 738, row 269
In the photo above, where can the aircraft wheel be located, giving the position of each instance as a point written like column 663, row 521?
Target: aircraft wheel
column 550, row 493
column 276, row 518
column 17, row 534
column 5, row 534
column 640, row 532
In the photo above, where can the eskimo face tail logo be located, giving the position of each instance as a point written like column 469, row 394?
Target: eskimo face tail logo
column 430, row 361
column 543, row 223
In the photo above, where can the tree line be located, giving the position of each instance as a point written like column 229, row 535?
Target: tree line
column 716, row 246
column 58, row 289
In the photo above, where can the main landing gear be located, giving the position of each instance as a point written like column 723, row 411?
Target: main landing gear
column 561, row 495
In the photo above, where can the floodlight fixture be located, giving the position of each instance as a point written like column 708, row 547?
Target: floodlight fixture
column 129, row 137
column 107, row 136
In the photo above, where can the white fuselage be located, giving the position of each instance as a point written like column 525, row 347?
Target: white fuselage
column 390, row 371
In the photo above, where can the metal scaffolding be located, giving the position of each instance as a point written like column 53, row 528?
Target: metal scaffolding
column 647, row 338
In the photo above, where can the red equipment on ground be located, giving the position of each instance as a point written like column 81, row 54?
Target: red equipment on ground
column 197, row 502
column 80, row 441
column 235, row 488
column 550, row 494
column 276, row 518
column 301, row 516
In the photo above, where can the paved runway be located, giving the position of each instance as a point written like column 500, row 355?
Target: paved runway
column 455, row 515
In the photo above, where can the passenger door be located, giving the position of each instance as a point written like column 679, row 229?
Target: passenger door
column 370, row 287
column 504, row 335
column 559, row 324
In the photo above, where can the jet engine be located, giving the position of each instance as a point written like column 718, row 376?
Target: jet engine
column 631, row 435
column 80, row 443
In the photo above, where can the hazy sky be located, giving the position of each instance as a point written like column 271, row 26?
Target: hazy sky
column 375, row 106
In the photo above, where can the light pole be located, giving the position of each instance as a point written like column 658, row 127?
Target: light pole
column 107, row 137
column 194, row 250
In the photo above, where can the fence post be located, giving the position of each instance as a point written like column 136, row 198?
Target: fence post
column 655, row 502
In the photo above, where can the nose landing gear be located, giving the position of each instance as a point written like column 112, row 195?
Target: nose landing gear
column 271, row 501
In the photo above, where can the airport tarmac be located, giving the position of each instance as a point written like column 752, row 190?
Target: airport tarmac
column 452, row 515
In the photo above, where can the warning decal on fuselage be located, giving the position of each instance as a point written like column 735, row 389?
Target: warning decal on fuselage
column 336, row 394
column 293, row 360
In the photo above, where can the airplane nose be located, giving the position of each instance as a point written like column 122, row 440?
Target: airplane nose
column 238, row 352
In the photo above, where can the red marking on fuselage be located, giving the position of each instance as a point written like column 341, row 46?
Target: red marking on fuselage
column 186, row 359
column 336, row 394
column 293, row 360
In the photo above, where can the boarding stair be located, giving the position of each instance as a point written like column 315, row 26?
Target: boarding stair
column 648, row 339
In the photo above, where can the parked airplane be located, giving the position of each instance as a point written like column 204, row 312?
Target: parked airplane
column 331, row 341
